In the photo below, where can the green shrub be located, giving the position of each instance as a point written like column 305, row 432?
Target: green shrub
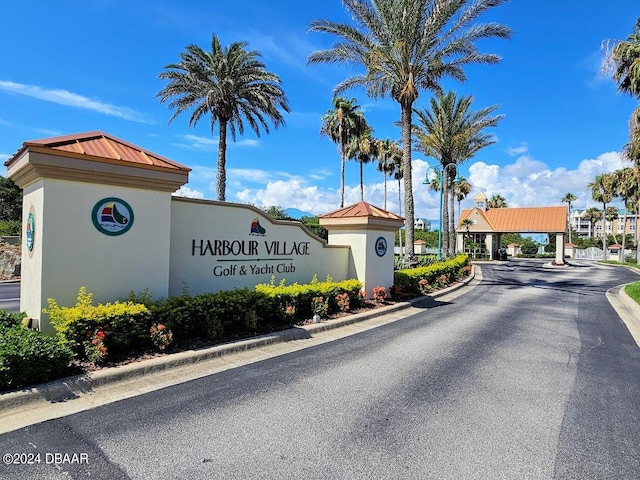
column 10, row 227
column 408, row 282
column 126, row 324
column 299, row 297
column 8, row 319
column 28, row 357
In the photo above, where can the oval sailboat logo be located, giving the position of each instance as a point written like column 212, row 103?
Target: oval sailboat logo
column 112, row 216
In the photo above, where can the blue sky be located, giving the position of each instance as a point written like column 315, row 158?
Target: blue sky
column 71, row 66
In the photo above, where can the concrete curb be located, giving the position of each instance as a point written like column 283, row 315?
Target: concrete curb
column 627, row 309
column 65, row 388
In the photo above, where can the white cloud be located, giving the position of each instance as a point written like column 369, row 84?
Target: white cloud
column 4, row 157
column 519, row 150
column 188, row 193
column 210, row 144
column 529, row 182
column 70, row 99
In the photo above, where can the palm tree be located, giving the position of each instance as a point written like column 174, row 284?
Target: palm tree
column 592, row 215
column 568, row 198
column 232, row 86
column 462, row 189
column 362, row 149
column 466, row 224
column 404, row 47
column 389, row 154
column 497, row 201
column 602, row 190
column 452, row 133
column 341, row 124
column 626, row 187
column 622, row 60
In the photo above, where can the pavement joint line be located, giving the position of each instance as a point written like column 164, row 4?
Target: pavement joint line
column 70, row 388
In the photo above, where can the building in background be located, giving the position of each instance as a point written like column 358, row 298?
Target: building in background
column 624, row 224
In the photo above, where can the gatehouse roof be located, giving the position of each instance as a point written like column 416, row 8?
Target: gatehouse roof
column 516, row 220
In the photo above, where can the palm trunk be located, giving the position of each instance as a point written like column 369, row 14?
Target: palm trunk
column 604, row 230
column 406, row 175
column 221, row 180
column 385, row 189
column 624, row 224
column 361, row 182
column 400, row 213
column 445, row 215
column 342, row 162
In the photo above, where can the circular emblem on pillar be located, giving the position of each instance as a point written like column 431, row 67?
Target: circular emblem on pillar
column 31, row 230
column 112, row 216
column 381, row 246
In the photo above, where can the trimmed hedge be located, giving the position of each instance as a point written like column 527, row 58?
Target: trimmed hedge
column 126, row 324
column 297, row 298
column 211, row 316
column 407, row 282
column 28, row 357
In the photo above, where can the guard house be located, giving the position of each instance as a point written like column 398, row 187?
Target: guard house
column 487, row 225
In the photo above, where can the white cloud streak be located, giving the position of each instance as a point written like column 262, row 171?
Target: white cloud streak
column 70, row 99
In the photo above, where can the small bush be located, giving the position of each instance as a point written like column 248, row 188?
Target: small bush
column 299, row 297
column 416, row 281
column 28, row 357
column 8, row 319
column 127, row 324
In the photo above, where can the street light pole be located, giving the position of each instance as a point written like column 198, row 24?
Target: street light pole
column 440, row 175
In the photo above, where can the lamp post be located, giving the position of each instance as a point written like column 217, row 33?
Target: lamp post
column 426, row 181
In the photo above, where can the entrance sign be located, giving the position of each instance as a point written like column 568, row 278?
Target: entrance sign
column 177, row 243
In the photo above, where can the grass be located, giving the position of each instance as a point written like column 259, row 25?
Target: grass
column 615, row 262
column 633, row 290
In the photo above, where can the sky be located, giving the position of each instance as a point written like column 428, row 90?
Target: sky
column 77, row 66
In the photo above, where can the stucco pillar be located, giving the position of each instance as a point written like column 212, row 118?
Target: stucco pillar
column 559, row 249
column 96, row 214
column 370, row 232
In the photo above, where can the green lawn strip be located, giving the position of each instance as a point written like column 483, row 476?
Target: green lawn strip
column 633, row 290
column 624, row 264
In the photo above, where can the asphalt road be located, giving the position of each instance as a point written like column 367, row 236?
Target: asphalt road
column 531, row 375
column 10, row 296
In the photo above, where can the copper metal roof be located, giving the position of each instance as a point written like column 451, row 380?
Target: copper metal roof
column 525, row 220
column 361, row 209
column 99, row 146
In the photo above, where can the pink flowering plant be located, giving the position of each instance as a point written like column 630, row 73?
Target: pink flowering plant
column 94, row 347
column 161, row 336
column 379, row 294
column 342, row 300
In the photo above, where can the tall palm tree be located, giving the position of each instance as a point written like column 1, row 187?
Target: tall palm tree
column 626, row 187
column 232, row 86
column 602, row 190
column 497, row 201
column 622, row 60
column 341, row 124
column 403, row 47
column 592, row 215
column 389, row 154
column 452, row 133
column 363, row 149
column 462, row 189
column 568, row 198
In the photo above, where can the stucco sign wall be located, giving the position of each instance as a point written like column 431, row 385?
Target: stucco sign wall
column 218, row 246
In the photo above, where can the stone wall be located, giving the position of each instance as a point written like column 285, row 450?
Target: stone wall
column 10, row 260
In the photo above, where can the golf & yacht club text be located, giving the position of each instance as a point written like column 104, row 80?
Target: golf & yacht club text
column 250, row 248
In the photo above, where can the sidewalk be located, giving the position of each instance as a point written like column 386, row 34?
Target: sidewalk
column 70, row 395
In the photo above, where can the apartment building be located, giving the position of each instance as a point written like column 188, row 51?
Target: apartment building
column 625, row 223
